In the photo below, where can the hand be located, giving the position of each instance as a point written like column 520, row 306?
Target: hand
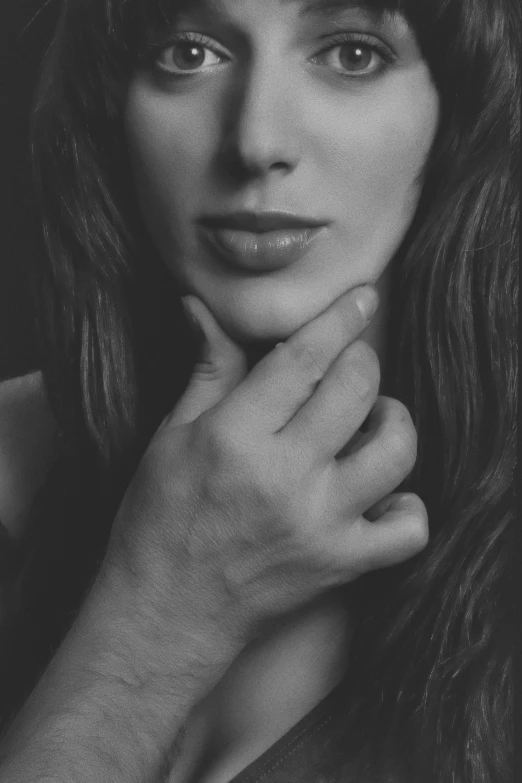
column 242, row 508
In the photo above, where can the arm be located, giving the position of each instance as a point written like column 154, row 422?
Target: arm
column 240, row 512
column 105, row 709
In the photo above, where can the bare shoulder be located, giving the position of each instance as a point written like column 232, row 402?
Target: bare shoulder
column 27, row 447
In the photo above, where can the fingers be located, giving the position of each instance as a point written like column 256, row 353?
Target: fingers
column 340, row 404
column 279, row 385
column 221, row 366
column 383, row 459
column 399, row 531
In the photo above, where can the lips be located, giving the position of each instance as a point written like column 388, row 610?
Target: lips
column 261, row 241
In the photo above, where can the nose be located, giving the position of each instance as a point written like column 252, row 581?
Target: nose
column 260, row 132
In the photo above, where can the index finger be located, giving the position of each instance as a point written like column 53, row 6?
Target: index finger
column 285, row 379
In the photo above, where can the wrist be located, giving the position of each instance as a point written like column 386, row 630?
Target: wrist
column 116, row 695
column 174, row 656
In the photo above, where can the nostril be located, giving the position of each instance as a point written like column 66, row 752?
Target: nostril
column 280, row 166
column 256, row 148
column 241, row 165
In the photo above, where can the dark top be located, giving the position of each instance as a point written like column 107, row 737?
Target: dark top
column 302, row 754
column 315, row 751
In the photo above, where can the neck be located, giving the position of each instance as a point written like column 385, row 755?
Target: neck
column 289, row 670
column 273, row 683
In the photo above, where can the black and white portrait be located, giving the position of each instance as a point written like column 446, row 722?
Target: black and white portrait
column 258, row 385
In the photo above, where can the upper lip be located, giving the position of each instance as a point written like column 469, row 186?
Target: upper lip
column 259, row 222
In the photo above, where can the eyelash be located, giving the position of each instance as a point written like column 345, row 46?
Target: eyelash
column 154, row 50
column 367, row 42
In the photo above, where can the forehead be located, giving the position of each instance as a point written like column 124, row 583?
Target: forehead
column 300, row 7
column 140, row 19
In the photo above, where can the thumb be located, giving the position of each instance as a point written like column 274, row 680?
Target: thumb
column 220, row 367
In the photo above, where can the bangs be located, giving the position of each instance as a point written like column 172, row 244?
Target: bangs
column 459, row 39
column 131, row 22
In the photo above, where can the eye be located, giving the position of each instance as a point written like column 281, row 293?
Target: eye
column 189, row 54
column 355, row 58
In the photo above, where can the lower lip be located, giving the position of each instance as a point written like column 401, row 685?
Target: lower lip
column 260, row 252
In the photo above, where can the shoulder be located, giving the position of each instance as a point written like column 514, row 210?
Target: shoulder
column 27, row 447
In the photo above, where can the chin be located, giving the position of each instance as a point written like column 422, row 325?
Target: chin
column 256, row 324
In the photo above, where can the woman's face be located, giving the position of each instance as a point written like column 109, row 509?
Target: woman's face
column 278, row 151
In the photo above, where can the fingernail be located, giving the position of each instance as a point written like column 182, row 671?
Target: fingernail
column 367, row 300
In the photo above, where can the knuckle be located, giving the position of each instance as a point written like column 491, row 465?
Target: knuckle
column 218, row 435
column 363, row 369
column 399, row 412
column 400, row 446
column 347, row 322
column 308, row 357
column 207, row 371
column 230, row 463
column 422, row 531
column 364, row 354
column 419, row 533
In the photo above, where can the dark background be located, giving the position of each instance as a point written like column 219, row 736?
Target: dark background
column 26, row 28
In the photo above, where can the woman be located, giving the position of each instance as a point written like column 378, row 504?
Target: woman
column 265, row 162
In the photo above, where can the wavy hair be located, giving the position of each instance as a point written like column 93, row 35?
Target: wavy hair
column 432, row 653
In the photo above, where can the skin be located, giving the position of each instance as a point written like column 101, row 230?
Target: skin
column 262, row 127
column 271, row 123
column 239, row 517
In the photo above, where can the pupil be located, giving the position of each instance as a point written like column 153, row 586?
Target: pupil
column 189, row 55
column 355, row 57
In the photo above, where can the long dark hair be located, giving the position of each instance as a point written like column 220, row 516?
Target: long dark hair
column 432, row 660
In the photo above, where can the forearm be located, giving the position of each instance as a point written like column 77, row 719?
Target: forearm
column 106, row 708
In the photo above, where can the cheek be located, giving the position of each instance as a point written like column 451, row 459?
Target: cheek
column 377, row 146
column 170, row 143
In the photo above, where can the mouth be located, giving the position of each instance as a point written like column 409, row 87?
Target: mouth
column 259, row 241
